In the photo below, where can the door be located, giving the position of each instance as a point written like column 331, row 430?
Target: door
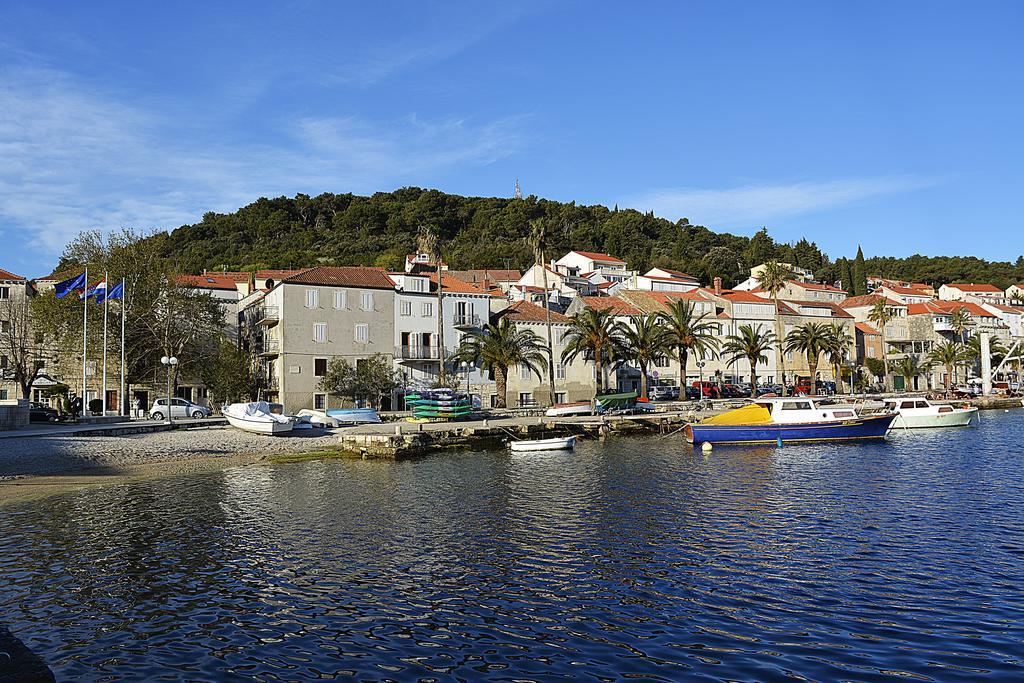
column 179, row 407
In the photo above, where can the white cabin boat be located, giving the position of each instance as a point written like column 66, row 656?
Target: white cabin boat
column 565, row 409
column 257, row 418
column 563, row 444
column 919, row 413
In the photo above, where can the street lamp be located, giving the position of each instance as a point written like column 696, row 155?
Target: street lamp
column 700, row 370
column 465, row 365
column 169, row 362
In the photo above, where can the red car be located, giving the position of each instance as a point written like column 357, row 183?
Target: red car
column 707, row 389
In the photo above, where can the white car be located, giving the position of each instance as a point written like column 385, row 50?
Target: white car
column 179, row 408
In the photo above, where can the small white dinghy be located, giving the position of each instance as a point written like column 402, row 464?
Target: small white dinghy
column 317, row 418
column 565, row 409
column 256, row 418
column 564, row 444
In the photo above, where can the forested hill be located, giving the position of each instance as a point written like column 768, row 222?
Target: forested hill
column 478, row 232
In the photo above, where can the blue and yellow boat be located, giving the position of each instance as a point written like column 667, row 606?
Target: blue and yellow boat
column 784, row 420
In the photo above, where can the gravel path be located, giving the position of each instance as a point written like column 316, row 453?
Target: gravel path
column 109, row 454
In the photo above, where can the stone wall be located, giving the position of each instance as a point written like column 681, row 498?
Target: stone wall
column 13, row 414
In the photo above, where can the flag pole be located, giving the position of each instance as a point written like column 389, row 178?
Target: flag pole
column 123, row 405
column 85, row 328
column 105, row 284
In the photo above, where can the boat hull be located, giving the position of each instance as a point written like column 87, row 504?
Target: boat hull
column 961, row 417
column 564, row 410
column 354, row 416
column 568, row 443
column 259, row 426
column 854, row 429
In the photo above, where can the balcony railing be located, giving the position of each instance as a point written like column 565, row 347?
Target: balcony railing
column 269, row 347
column 417, row 352
column 467, row 320
column 267, row 315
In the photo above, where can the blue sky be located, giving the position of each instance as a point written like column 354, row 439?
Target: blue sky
column 896, row 125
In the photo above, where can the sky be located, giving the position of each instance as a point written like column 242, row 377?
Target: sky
column 892, row 125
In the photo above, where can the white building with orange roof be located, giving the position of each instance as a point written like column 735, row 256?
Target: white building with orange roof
column 978, row 293
column 906, row 295
column 665, row 280
column 1011, row 316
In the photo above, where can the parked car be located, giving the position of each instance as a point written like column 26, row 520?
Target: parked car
column 731, row 391
column 774, row 389
column 664, row 391
column 179, row 408
column 692, row 393
column 37, row 412
column 707, row 389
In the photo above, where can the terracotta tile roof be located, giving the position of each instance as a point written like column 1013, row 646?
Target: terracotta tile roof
column 816, row 286
column 676, row 273
column 865, row 328
column 278, row 274
column 1005, row 309
column 342, row 276
column 210, row 281
column 936, row 307
column 454, row 284
column 236, row 275
column 597, row 256
column 869, row 300
column 976, row 288
column 60, row 275
column 909, row 291
column 739, row 296
column 524, row 311
column 617, row 305
column 8, row 275
column 837, row 310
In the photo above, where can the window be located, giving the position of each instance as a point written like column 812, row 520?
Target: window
column 907, row 404
column 920, row 404
column 312, row 298
column 5, row 292
column 5, row 325
column 406, row 308
column 525, row 399
column 427, row 309
column 559, row 397
column 661, row 362
column 559, row 370
column 796, row 405
column 494, row 400
column 524, row 371
column 367, row 304
column 319, row 367
column 362, row 333
column 319, row 400
column 3, row 394
column 3, row 362
column 340, row 299
column 320, row 332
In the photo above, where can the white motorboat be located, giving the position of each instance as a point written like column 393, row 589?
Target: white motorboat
column 317, row 418
column 257, row 418
column 919, row 413
column 566, row 409
column 563, row 444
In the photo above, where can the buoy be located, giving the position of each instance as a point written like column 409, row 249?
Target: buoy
column 706, row 446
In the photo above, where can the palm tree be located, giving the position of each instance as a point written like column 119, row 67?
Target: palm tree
column 773, row 279
column 753, row 344
column 961, row 322
column 948, row 354
column 593, row 334
column 880, row 315
column 538, row 239
column 688, row 333
column 811, row 339
column 499, row 347
column 643, row 342
column 909, row 367
column 840, row 342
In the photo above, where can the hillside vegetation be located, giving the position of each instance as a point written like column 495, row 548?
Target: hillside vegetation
column 478, row 232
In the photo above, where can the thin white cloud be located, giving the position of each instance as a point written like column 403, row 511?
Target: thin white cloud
column 758, row 203
column 72, row 160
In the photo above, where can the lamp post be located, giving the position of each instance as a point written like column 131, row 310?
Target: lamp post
column 465, row 365
column 700, row 371
column 169, row 363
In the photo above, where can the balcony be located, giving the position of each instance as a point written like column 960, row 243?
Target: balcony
column 942, row 326
column 269, row 347
column 267, row 315
column 467, row 321
column 417, row 352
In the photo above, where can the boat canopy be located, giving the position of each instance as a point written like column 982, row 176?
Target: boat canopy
column 613, row 401
column 752, row 414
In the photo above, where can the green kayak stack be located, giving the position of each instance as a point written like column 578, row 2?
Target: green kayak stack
column 445, row 405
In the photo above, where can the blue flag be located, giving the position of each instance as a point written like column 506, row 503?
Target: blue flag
column 69, row 285
column 115, row 292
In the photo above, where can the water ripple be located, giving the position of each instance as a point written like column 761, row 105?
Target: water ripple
column 633, row 559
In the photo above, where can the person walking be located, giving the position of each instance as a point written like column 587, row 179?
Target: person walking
column 138, row 407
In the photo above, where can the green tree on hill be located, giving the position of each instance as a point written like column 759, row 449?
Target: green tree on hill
column 860, row 277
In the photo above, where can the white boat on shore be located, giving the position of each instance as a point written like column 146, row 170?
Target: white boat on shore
column 919, row 413
column 317, row 418
column 562, row 444
column 257, row 418
column 566, row 409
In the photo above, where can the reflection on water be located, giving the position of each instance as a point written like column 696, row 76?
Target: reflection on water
column 632, row 558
